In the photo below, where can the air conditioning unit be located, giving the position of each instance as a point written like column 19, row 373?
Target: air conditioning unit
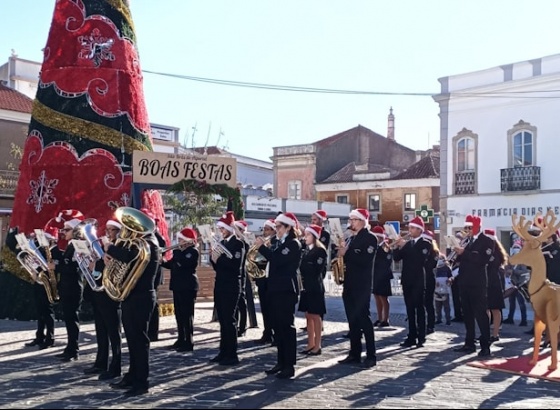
column 407, row 217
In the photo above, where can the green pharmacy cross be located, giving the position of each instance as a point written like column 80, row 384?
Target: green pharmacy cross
column 424, row 213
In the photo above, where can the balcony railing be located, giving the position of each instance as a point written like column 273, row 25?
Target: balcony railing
column 8, row 182
column 465, row 183
column 520, row 179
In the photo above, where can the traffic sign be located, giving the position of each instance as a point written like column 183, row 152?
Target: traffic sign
column 396, row 225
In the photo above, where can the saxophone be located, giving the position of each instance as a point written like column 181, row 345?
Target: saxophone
column 48, row 280
column 338, row 266
column 119, row 277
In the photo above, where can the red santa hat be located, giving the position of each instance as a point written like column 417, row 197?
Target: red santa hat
column 417, row 222
column 379, row 232
column 69, row 214
column 226, row 221
column 72, row 223
column 113, row 223
column 427, row 234
column 242, row 225
column 491, row 233
column 270, row 223
column 534, row 227
column 187, row 234
column 287, row 218
column 321, row 214
column 51, row 232
column 475, row 222
column 360, row 213
column 315, row 230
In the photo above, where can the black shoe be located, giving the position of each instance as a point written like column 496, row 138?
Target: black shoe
column 185, row 348
column 438, row 322
column 350, row 359
column 46, row 345
column 494, row 339
column 61, row 355
column 430, row 330
column 347, row 335
column 216, row 359
column 273, row 370
column 465, row 349
column 94, row 370
column 135, row 391
column 457, row 319
column 448, row 323
column 508, row 321
column 384, row 324
column 70, row 358
column 241, row 333
column 530, row 331
column 121, row 384
column 314, row 353
column 229, row 362
column 153, row 338
column 175, row 345
column 370, row 362
column 306, row 351
column 262, row 341
column 35, row 342
column 274, row 343
column 523, row 323
column 108, row 375
column 485, row 352
column 377, row 323
column 286, row 373
column 420, row 343
column 408, row 343
column 304, row 329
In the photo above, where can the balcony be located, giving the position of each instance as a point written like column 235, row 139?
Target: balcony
column 520, row 179
column 465, row 183
column 8, row 182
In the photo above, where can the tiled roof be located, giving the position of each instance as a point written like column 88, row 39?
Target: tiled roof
column 346, row 173
column 427, row 167
column 345, row 134
column 12, row 100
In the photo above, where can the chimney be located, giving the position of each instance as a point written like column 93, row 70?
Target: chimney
column 391, row 125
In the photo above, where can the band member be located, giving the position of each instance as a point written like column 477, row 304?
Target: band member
column 153, row 329
column 283, row 291
column 358, row 283
column 246, row 304
column 70, row 286
column 473, row 260
column 137, row 307
column 496, row 278
column 269, row 232
column 107, row 314
column 312, row 294
column 551, row 252
column 318, row 218
column 430, row 283
column 226, row 260
column 417, row 257
column 184, row 285
column 44, row 337
column 382, row 275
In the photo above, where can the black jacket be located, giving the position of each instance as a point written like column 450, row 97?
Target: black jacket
column 473, row 262
column 313, row 263
column 284, row 262
column 70, row 274
column 552, row 257
column 228, row 271
column 417, row 258
column 183, row 266
column 359, row 262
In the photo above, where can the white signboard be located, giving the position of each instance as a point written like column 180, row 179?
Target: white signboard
column 258, row 203
column 160, row 133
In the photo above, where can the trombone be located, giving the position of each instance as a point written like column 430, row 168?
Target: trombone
column 394, row 237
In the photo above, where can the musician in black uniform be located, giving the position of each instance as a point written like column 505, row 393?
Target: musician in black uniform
column 283, row 291
column 227, row 289
column 107, row 314
column 382, row 275
column 358, row 284
column 430, row 283
column 312, row 294
column 417, row 257
column 184, row 285
column 70, row 289
column 473, row 261
column 269, row 231
column 246, row 303
column 318, row 218
column 44, row 337
column 138, row 305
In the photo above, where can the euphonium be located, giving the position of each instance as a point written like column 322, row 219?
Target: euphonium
column 218, row 249
column 48, row 278
column 451, row 258
column 119, row 278
column 86, row 230
column 255, row 263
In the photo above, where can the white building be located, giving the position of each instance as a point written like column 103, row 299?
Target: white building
column 499, row 138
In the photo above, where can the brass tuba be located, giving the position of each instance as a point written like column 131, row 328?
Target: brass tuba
column 119, row 278
column 255, row 263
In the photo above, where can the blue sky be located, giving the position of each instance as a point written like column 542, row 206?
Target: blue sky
column 366, row 45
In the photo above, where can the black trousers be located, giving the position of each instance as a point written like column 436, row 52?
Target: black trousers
column 357, row 307
column 45, row 315
column 71, row 300
column 225, row 303
column 415, row 311
column 108, row 318
column 457, row 308
column 474, row 303
column 183, row 302
column 283, row 309
column 153, row 328
column 136, row 313
column 265, row 308
column 246, row 306
column 429, row 301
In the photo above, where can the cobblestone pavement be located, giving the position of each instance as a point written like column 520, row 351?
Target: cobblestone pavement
column 429, row 377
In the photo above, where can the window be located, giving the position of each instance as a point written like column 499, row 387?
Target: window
column 522, row 149
column 342, row 199
column 409, row 202
column 465, row 155
column 294, row 190
column 374, row 203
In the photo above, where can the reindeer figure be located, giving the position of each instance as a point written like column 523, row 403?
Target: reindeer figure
column 544, row 295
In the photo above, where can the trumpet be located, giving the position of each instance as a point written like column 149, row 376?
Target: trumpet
column 218, row 249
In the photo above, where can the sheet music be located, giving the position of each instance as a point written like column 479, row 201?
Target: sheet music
column 41, row 238
column 81, row 247
column 391, row 232
column 22, row 241
column 249, row 238
column 452, row 242
column 205, row 233
column 337, row 233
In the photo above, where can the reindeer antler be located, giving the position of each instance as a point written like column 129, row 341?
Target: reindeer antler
column 546, row 225
column 521, row 228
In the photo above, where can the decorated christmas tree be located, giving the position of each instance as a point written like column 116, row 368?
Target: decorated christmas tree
column 88, row 116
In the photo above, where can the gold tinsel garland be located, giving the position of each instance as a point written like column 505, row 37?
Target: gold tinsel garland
column 121, row 7
column 84, row 129
column 12, row 265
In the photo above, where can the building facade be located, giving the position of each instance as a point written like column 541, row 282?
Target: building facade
column 499, row 131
